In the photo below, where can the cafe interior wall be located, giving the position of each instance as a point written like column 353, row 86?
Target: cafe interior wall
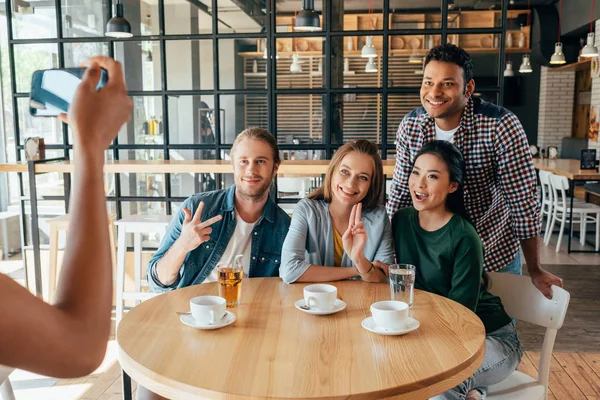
column 596, row 95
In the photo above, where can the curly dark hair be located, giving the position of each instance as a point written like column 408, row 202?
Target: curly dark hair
column 452, row 54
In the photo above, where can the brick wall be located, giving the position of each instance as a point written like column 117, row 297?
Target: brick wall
column 557, row 90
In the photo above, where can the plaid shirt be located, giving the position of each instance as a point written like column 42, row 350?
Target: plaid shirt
column 500, row 181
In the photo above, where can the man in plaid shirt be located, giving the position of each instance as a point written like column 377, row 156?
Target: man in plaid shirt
column 500, row 187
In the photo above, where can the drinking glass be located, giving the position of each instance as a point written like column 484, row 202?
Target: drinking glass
column 402, row 282
column 230, row 282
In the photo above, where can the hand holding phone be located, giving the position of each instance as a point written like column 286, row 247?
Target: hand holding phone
column 96, row 116
column 52, row 90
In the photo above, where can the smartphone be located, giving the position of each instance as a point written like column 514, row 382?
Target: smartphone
column 52, row 90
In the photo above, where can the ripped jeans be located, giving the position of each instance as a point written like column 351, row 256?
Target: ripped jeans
column 503, row 353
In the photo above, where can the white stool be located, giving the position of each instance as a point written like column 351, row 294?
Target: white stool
column 136, row 224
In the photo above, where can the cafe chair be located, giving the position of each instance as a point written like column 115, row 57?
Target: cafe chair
column 6, row 390
column 58, row 224
column 546, row 201
column 583, row 213
column 524, row 302
column 295, row 188
column 136, row 225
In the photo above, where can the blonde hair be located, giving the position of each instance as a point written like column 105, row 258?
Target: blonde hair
column 258, row 134
column 374, row 196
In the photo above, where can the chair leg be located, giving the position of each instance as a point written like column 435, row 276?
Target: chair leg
column 122, row 249
column 548, row 234
column 52, row 263
column 598, row 232
column 137, row 255
column 583, row 227
column 6, row 390
column 562, row 229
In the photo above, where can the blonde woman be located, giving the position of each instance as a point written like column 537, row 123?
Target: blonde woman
column 341, row 224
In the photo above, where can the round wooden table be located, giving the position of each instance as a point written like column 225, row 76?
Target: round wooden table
column 274, row 351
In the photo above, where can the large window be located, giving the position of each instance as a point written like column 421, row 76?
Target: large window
column 201, row 71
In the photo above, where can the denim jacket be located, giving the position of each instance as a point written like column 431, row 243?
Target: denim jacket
column 310, row 239
column 268, row 236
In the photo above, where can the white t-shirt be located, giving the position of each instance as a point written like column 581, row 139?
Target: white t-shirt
column 441, row 134
column 239, row 243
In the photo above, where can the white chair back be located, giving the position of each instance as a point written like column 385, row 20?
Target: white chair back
column 546, row 187
column 523, row 301
column 559, row 185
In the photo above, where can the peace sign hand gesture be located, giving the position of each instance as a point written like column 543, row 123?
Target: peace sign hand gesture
column 193, row 231
column 355, row 237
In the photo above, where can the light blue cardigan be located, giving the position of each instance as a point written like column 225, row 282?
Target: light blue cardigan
column 310, row 239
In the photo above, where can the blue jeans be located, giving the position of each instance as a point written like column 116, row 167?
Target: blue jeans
column 503, row 353
column 515, row 267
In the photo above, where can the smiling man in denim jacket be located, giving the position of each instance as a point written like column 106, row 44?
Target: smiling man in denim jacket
column 212, row 228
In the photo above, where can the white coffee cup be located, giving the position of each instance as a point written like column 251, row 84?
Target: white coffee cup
column 320, row 296
column 389, row 314
column 208, row 310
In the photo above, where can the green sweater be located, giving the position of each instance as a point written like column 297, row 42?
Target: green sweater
column 449, row 262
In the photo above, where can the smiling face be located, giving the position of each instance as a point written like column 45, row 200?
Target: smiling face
column 253, row 168
column 351, row 180
column 430, row 184
column 443, row 92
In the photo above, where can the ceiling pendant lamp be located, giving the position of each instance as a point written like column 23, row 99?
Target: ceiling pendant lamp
column 558, row 57
column 590, row 49
column 371, row 67
column 307, row 20
column 509, row 70
column 118, row 26
column 368, row 50
column 525, row 67
column 295, row 67
column 415, row 59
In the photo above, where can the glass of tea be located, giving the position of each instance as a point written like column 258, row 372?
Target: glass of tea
column 230, row 281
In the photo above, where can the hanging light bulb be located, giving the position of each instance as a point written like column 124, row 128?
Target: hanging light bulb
column 509, row 70
column 525, row 67
column 368, row 50
column 415, row 59
column 307, row 20
column 558, row 57
column 266, row 53
column 118, row 26
column 295, row 67
column 590, row 50
column 371, row 67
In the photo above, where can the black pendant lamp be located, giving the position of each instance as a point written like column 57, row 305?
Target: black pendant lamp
column 307, row 20
column 118, row 26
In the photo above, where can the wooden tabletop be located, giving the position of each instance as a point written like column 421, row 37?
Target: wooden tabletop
column 566, row 167
column 274, row 351
column 307, row 167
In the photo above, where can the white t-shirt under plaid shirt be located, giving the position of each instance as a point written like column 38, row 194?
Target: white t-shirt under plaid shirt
column 500, row 181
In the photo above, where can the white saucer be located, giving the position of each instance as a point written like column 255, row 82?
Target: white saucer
column 410, row 325
column 228, row 319
column 339, row 305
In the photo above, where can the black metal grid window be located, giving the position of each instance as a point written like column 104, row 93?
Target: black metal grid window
column 327, row 96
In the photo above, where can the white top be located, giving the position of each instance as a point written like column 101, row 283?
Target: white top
column 239, row 243
column 441, row 134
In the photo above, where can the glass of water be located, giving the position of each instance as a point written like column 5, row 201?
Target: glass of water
column 402, row 282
